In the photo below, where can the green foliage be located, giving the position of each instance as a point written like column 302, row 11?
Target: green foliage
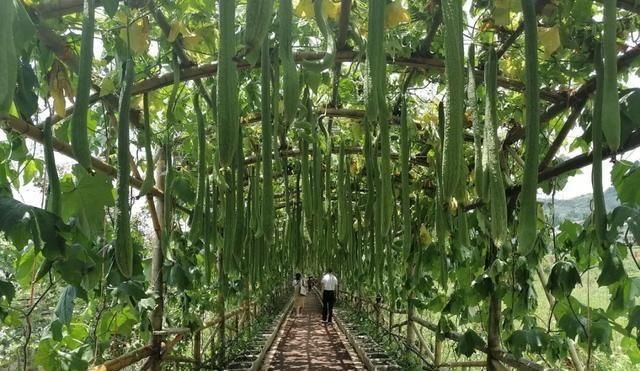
column 563, row 279
column 469, row 343
column 84, row 199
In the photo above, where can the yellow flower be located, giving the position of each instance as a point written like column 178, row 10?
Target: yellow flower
column 304, row 9
column 395, row 14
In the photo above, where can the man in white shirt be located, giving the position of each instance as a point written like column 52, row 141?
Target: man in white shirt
column 329, row 285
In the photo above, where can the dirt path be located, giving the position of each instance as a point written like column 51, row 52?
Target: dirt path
column 305, row 343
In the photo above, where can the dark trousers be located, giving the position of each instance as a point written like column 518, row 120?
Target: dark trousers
column 328, row 301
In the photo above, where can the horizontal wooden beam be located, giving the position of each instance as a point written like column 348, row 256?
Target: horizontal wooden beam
column 420, row 62
column 32, row 132
column 59, row 8
column 577, row 97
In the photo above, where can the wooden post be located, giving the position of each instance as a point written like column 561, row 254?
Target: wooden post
column 157, row 261
column 437, row 356
column 237, row 324
column 197, row 351
column 220, row 303
column 495, row 311
column 390, row 322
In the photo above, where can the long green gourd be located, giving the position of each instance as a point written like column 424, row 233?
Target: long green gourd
column 197, row 218
column 167, row 231
column 493, row 173
column 342, row 199
column 240, row 224
column 228, row 111
column 54, row 204
column 306, row 184
column 610, row 104
column 478, row 126
column 377, row 109
column 8, row 56
column 599, row 209
column 78, row 134
column 258, row 19
column 453, row 161
column 404, row 174
column 330, row 55
column 268, row 214
column 527, row 217
column 149, row 179
column 290, row 83
column 441, row 226
column 210, row 227
column 124, row 248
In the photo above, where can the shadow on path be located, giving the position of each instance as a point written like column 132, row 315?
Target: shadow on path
column 308, row 344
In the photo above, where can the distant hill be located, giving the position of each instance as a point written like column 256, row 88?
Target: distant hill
column 578, row 208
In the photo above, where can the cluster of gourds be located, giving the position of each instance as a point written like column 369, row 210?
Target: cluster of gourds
column 334, row 229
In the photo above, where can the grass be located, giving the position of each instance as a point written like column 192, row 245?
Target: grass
column 596, row 297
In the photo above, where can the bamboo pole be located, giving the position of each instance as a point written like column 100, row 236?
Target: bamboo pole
column 495, row 312
column 157, row 262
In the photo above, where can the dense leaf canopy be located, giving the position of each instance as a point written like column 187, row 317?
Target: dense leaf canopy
column 266, row 137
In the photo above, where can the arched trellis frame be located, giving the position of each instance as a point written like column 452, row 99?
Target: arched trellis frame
column 557, row 102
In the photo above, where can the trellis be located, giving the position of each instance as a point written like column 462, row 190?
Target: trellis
column 561, row 100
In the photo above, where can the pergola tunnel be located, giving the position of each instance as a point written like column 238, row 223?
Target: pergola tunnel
column 168, row 166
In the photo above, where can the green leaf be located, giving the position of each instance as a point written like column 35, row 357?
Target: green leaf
column 20, row 222
column 630, row 106
column 25, row 98
column 110, row 7
column 84, row 197
column 517, row 342
column 183, row 189
column 624, row 296
column 64, row 309
column 563, row 279
column 572, row 325
column 74, row 268
column 25, row 264
column 634, row 319
column 469, row 343
column 612, row 269
column 32, row 168
column 630, row 348
column 601, row 335
column 581, row 10
column 625, row 176
column 56, row 330
column 7, row 291
column 23, row 28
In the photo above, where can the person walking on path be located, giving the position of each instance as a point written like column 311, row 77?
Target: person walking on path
column 299, row 294
column 329, row 286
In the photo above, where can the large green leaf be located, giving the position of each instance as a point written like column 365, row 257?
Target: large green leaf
column 23, row 28
column 64, row 309
column 84, row 197
column 612, row 269
column 563, row 279
column 469, row 343
column 7, row 291
column 21, row 222
column 625, row 176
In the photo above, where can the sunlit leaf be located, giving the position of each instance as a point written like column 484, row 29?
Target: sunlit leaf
column 549, row 38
